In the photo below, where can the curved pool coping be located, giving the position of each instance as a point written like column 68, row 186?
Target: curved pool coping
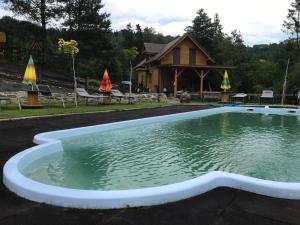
column 97, row 199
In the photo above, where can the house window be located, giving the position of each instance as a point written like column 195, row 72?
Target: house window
column 192, row 56
column 176, row 56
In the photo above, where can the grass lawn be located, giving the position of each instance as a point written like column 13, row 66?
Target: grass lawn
column 9, row 111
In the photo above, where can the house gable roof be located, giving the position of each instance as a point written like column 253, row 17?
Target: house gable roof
column 140, row 64
column 168, row 47
column 153, row 48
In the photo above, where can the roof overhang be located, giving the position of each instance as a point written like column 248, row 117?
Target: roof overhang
column 141, row 69
column 197, row 66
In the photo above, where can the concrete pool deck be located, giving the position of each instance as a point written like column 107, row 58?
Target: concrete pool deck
column 220, row 206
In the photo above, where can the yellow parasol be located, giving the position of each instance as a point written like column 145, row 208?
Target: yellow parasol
column 225, row 83
column 30, row 74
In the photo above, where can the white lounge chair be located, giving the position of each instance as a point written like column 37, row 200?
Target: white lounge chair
column 118, row 94
column 239, row 96
column 267, row 94
column 81, row 92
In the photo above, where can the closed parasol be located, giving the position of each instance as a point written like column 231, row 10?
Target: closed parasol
column 105, row 83
column 225, row 83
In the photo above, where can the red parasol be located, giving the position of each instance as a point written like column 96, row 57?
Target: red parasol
column 105, row 83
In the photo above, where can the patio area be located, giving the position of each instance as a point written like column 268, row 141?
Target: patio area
column 220, row 206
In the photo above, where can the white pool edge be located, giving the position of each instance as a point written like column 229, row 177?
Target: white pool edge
column 66, row 197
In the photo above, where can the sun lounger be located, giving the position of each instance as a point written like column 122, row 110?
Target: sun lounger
column 118, row 94
column 81, row 92
column 237, row 96
column 268, row 95
column 46, row 92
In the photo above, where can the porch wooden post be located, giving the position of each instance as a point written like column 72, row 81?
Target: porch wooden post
column 175, row 83
column 201, row 83
column 201, row 75
column 160, row 81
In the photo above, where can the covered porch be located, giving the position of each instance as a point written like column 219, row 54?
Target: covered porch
column 187, row 77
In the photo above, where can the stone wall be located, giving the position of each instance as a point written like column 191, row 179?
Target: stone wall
column 69, row 98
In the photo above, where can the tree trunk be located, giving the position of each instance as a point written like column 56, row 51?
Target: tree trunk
column 75, row 80
column 130, row 83
column 284, row 83
column 44, row 36
column 297, row 24
column 70, row 6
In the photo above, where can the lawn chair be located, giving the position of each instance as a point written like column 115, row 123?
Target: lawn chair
column 268, row 95
column 46, row 92
column 81, row 92
column 239, row 96
column 117, row 94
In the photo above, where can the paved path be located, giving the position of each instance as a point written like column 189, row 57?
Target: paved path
column 222, row 206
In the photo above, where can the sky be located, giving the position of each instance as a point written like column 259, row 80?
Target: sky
column 260, row 21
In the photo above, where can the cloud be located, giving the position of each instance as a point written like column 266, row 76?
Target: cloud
column 166, row 21
column 260, row 21
column 4, row 12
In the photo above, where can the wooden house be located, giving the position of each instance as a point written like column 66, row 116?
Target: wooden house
column 181, row 64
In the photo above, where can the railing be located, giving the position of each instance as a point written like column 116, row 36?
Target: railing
column 215, row 96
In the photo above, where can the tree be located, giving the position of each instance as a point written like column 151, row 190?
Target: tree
column 149, row 34
column 202, row 29
column 19, row 33
column 39, row 11
column 294, row 78
column 84, row 15
column 130, row 54
column 236, row 38
column 139, row 41
column 67, row 9
column 218, row 29
column 89, row 25
column 127, row 36
column 70, row 47
column 292, row 24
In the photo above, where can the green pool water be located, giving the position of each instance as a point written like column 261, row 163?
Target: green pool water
column 256, row 145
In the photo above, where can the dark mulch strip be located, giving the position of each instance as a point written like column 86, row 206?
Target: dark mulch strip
column 222, row 206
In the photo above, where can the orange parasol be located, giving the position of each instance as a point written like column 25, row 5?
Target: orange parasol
column 105, row 83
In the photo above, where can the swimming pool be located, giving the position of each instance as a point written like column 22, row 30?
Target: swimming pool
column 162, row 159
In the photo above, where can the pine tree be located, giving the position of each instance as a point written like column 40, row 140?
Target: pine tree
column 218, row 29
column 38, row 11
column 83, row 15
column 87, row 23
column 127, row 36
column 139, row 39
column 236, row 38
column 202, row 29
column 149, row 34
